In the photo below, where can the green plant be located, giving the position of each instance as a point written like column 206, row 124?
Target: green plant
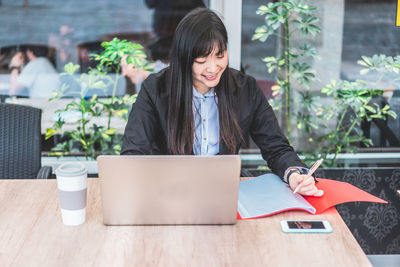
column 89, row 137
column 110, row 62
column 353, row 103
column 284, row 19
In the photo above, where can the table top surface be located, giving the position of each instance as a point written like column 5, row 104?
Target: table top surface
column 32, row 234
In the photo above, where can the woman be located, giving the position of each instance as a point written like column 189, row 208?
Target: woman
column 200, row 106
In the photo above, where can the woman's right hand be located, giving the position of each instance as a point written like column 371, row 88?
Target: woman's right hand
column 307, row 187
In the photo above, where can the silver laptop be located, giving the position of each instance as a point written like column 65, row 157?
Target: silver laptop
column 141, row 190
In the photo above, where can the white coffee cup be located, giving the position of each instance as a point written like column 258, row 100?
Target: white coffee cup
column 72, row 188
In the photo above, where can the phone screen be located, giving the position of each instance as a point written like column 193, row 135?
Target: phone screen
column 306, row 225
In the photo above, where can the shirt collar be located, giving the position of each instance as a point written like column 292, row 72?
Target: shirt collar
column 210, row 93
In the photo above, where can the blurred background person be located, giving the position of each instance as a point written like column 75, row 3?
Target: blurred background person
column 36, row 79
column 167, row 15
column 66, row 49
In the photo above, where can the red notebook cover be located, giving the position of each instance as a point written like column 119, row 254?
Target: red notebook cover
column 335, row 192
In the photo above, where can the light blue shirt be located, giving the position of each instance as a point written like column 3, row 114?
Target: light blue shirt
column 206, row 123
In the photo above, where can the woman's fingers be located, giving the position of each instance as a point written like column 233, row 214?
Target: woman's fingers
column 294, row 180
column 308, row 181
column 300, row 179
column 319, row 193
column 304, row 181
column 309, row 192
column 313, row 192
column 307, row 188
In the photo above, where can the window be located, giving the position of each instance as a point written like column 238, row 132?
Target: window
column 46, row 35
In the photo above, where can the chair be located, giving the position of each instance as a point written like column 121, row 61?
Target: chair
column 20, row 147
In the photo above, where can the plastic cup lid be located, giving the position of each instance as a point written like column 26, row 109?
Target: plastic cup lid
column 71, row 169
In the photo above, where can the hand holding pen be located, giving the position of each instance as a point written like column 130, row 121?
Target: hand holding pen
column 304, row 184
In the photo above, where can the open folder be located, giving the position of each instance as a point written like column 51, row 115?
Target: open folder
column 267, row 195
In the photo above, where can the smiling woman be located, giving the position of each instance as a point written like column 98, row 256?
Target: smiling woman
column 207, row 70
column 200, row 106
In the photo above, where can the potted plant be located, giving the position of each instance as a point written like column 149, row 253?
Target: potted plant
column 285, row 19
column 94, row 134
column 353, row 102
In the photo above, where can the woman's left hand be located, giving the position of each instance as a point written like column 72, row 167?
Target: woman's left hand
column 307, row 187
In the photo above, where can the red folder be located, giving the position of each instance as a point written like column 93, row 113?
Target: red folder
column 335, row 192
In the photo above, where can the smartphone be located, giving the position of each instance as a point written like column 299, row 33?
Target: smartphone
column 306, row 226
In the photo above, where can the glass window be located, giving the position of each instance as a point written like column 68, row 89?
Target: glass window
column 59, row 32
column 369, row 29
column 350, row 29
column 40, row 37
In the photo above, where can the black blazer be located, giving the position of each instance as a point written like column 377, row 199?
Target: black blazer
column 145, row 132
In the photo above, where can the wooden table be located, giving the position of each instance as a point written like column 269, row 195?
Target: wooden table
column 32, row 234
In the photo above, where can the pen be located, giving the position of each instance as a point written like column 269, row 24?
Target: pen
column 312, row 170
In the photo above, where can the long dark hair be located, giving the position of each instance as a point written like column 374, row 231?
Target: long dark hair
column 196, row 36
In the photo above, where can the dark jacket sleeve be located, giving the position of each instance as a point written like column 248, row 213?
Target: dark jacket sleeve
column 143, row 125
column 266, row 133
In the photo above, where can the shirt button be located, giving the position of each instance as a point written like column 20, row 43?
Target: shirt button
column 205, row 139
column 204, row 120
